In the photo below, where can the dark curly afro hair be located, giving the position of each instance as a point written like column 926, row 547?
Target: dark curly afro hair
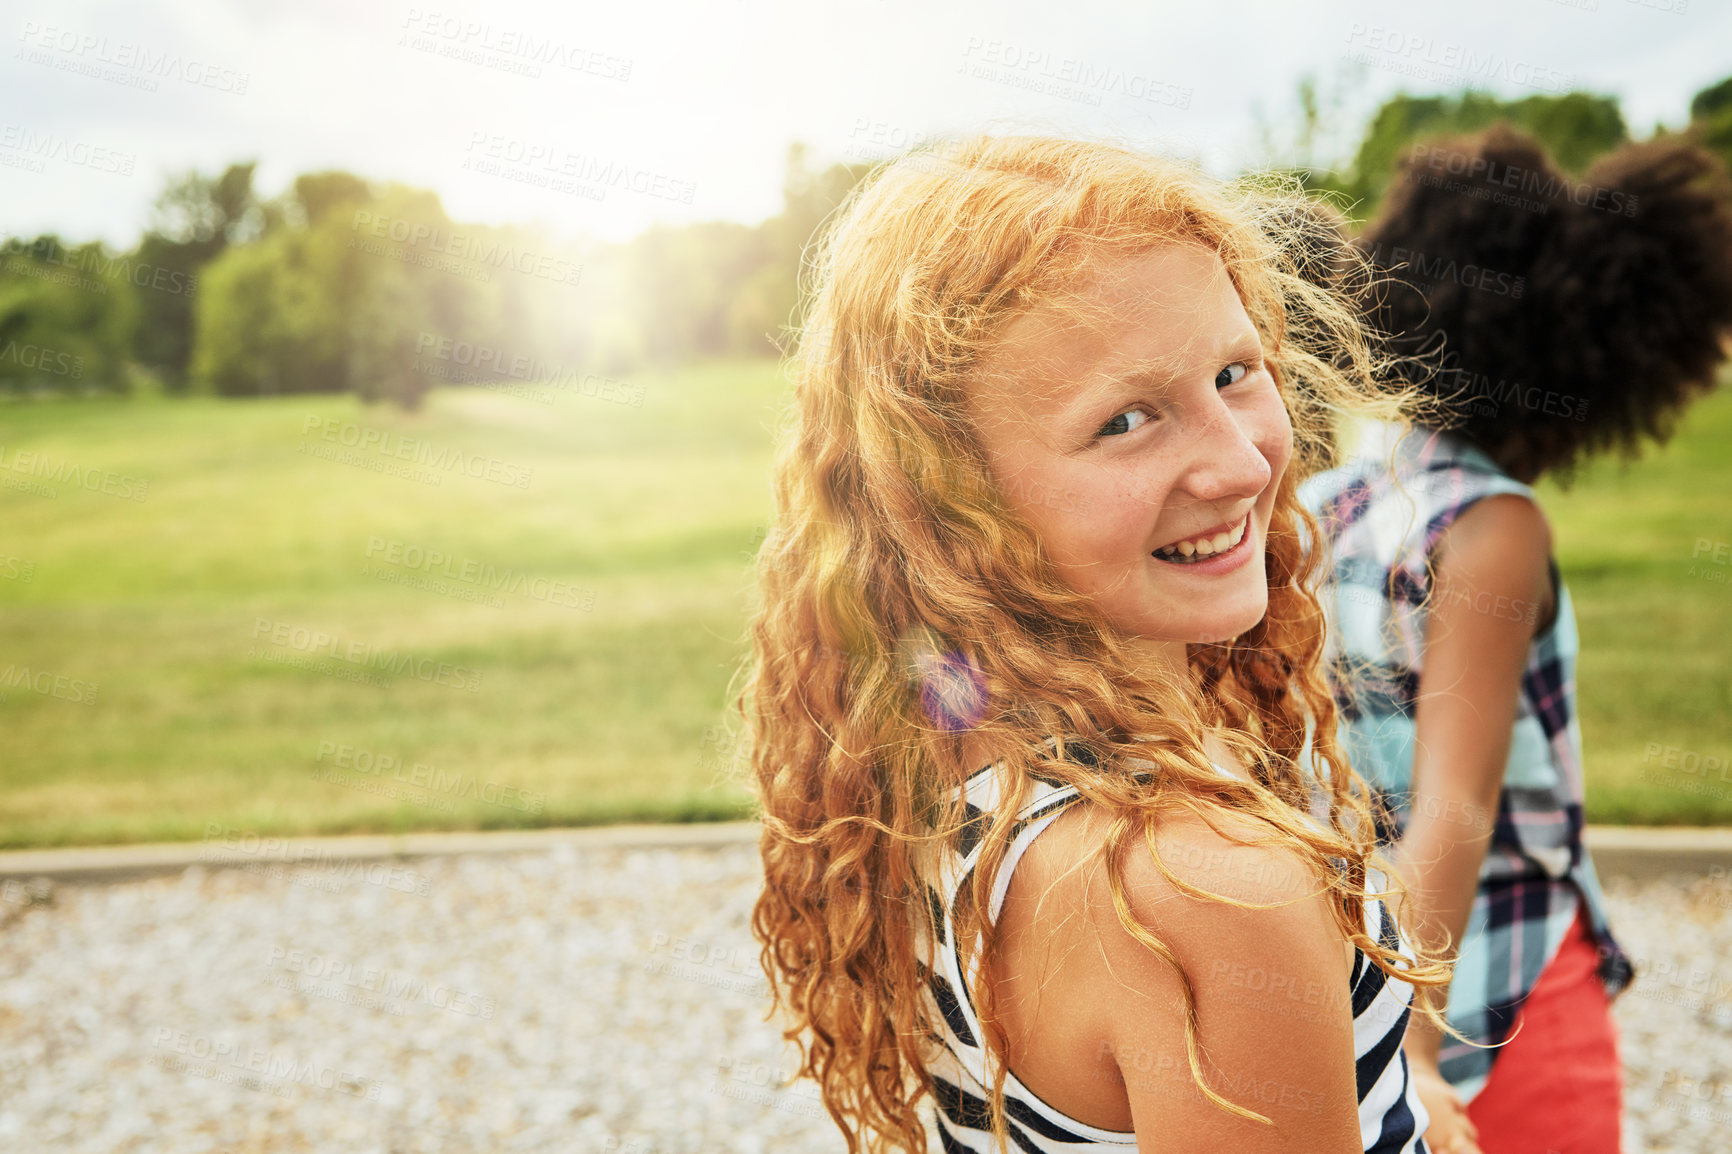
column 1555, row 319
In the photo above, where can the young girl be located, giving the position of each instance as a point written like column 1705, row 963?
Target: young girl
column 1035, row 682
column 1568, row 320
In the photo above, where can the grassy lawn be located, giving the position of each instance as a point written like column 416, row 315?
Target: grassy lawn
column 1638, row 545
column 595, row 693
column 273, row 649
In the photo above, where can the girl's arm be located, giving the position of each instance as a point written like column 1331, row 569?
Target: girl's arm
column 1275, row 1023
column 1491, row 589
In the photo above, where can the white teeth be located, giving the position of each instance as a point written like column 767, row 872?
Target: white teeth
column 1206, row 546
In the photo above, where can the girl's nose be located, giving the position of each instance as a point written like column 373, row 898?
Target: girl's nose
column 1226, row 460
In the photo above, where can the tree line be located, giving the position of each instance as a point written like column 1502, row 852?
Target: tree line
column 341, row 284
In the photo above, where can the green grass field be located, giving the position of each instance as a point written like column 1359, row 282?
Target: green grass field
column 223, row 618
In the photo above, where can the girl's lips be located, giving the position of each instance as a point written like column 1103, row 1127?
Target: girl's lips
column 1216, row 563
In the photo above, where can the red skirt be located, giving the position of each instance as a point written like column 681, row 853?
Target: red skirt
column 1557, row 1087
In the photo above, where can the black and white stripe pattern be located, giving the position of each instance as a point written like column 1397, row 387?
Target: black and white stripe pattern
column 1391, row 1119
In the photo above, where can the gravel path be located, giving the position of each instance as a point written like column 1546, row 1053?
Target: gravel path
column 604, row 1000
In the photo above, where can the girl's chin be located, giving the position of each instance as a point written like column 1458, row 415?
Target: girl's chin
column 1224, row 626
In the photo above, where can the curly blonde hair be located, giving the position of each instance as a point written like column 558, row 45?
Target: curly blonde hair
column 889, row 529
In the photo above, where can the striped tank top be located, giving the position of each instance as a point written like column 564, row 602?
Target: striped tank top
column 1391, row 1118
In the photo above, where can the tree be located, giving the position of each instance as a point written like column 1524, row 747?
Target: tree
column 195, row 219
column 1711, row 119
column 1574, row 128
column 809, row 197
column 357, row 283
column 66, row 316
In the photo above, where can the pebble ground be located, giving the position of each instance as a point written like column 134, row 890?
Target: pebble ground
column 592, row 1001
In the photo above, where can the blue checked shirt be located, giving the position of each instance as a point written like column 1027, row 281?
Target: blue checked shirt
column 1536, row 870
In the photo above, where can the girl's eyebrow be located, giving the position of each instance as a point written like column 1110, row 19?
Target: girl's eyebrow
column 1159, row 371
column 1155, row 373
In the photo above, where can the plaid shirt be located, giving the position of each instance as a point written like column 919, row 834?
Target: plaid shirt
column 1536, row 869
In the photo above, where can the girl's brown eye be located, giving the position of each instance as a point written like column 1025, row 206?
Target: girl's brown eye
column 1225, row 377
column 1120, row 424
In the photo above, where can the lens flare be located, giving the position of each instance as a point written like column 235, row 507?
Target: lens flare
column 952, row 690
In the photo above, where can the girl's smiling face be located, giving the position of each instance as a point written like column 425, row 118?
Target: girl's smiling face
column 1145, row 445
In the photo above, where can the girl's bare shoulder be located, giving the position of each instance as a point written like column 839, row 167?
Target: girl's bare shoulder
column 1228, row 854
column 1083, row 984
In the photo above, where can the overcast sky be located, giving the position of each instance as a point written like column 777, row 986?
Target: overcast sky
column 601, row 119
